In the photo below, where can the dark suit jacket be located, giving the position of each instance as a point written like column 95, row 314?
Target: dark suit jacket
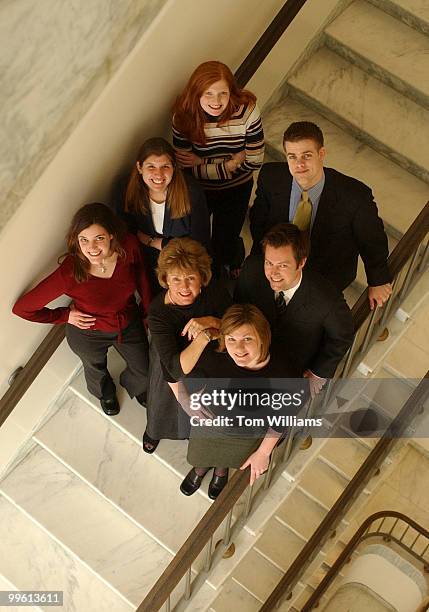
column 346, row 224
column 317, row 326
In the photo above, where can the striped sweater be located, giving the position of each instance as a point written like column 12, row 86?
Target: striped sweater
column 243, row 132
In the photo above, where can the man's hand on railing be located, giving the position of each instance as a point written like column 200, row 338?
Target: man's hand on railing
column 316, row 382
column 379, row 294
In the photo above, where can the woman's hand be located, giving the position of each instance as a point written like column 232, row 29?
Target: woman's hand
column 235, row 162
column 80, row 319
column 196, row 325
column 155, row 243
column 258, row 462
column 187, row 159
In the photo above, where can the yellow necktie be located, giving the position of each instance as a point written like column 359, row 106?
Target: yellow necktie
column 302, row 218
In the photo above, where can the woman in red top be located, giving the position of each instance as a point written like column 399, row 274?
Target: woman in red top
column 100, row 273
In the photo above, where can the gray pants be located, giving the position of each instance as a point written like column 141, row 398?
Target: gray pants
column 92, row 345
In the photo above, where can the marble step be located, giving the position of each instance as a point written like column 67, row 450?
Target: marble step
column 234, row 597
column 323, row 483
column 143, row 488
column 31, row 560
column 344, row 454
column 412, row 12
column 301, row 513
column 111, row 545
column 257, row 575
column 279, row 544
column 400, row 61
column 132, row 421
column 375, row 113
column 400, row 196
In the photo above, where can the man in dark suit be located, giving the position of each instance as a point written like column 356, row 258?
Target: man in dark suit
column 307, row 313
column 338, row 211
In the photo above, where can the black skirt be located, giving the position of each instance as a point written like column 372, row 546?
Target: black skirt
column 165, row 417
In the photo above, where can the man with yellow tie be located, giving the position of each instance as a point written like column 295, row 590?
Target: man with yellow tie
column 337, row 211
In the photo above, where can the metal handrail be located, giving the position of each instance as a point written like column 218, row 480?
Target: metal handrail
column 407, row 413
column 364, row 533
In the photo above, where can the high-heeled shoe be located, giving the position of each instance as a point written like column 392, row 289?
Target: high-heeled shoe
column 149, row 444
column 217, row 483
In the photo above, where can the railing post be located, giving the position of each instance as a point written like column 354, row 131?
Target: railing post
column 388, row 306
column 227, row 534
column 269, row 472
column 424, row 258
column 248, row 501
column 350, row 356
column 187, row 593
column 208, row 560
column 409, row 275
column 368, row 333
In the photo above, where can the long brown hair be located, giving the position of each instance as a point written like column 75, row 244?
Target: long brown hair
column 137, row 193
column 188, row 115
column 92, row 214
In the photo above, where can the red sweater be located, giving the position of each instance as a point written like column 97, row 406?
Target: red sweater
column 110, row 300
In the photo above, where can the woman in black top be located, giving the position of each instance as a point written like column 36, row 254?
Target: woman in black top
column 160, row 202
column 181, row 321
column 245, row 334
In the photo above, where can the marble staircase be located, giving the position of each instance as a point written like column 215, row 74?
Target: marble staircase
column 371, row 101
column 85, row 511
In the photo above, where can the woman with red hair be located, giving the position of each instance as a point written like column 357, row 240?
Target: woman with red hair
column 217, row 134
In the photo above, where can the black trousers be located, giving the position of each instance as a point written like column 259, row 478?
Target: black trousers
column 92, row 345
column 229, row 208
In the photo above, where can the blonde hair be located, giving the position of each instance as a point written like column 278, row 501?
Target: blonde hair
column 187, row 255
column 246, row 314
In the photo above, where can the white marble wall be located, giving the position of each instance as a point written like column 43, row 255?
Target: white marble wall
column 55, row 58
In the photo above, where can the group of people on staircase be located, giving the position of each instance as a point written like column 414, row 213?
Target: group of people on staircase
column 172, row 235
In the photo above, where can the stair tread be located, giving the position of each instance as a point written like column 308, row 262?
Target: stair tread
column 403, row 52
column 400, row 196
column 323, row 483
column 368, row 106
column 112, row 545
column 301, row 513
column 107, row 458
column 279, row 544
column 22, row 563
column 234, row 597
column 345, row 453
column 415, row 12
column 132, row 419
column 257, row 574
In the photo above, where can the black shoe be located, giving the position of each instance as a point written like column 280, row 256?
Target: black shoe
column 149, row 444
column 217, row 483
column 191, row 482
column 110, row 405
column 142, row 398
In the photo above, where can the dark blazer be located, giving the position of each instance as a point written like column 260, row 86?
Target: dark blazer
column 196, row 225
column 346, row 224
column 316, row 327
